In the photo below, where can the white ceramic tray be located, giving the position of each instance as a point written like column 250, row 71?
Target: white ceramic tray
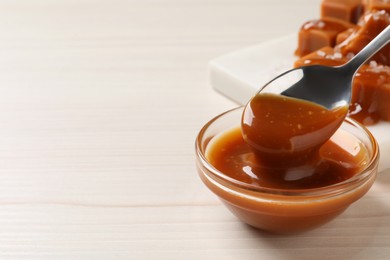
column 239, row 75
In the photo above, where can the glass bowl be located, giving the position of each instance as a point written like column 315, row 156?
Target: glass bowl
column 283, row 210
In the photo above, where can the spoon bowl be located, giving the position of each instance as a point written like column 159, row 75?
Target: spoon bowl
column 327, row 86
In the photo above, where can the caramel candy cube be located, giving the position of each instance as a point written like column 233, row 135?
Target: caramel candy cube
column 316, row 34
column 324, row 56
column 377, row 5
column 370, row 25
column 384, row 104
column 345, row 34
column 346, row 10
column 371, row 94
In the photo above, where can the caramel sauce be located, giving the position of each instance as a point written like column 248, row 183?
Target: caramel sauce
column 285, row 131
column 287, row 143
column 337, row 160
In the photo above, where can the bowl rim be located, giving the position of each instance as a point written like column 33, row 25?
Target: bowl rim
column 329, row 190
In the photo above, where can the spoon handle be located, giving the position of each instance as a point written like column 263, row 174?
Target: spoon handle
column 369, row 50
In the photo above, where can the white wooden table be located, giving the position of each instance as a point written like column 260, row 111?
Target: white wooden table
column 100, row 103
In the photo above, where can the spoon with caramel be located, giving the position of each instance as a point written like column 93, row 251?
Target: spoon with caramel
column 293, row 115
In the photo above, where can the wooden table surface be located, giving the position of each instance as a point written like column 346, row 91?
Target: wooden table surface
column 100, row 103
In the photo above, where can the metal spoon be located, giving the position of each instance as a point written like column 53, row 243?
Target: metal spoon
column 327, row 86
column 291, row 133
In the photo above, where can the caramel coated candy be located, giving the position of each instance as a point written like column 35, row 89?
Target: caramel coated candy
column 371, row 94
column 316, row 34
column 324, row 56
column 346, row 10
column 345, row 34
column 370, row 25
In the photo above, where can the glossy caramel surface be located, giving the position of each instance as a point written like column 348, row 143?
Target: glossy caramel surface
column 337, row 160
column 287, row 131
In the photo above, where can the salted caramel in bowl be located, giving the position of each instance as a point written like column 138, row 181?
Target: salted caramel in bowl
column 290, row 199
